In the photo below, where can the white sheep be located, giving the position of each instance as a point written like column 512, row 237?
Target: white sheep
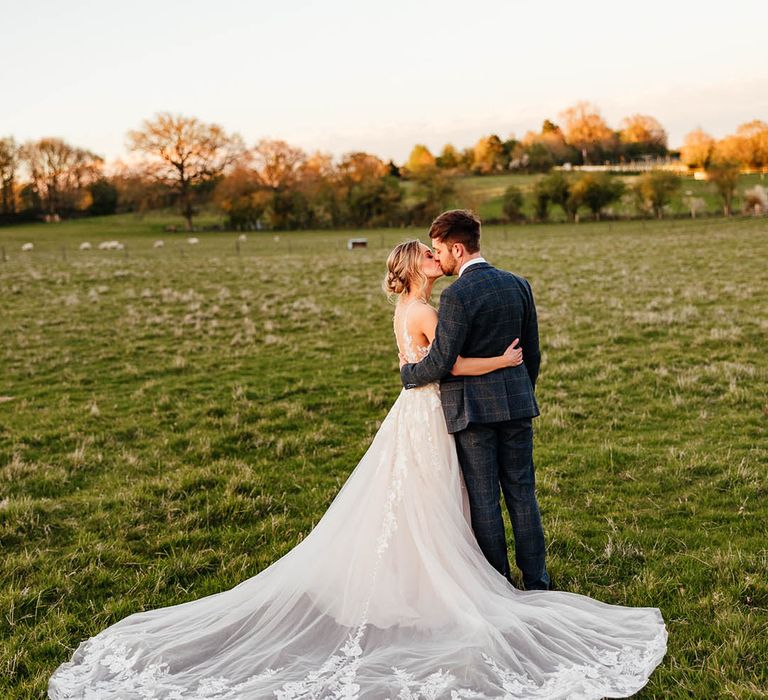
column 159, row 244
column 193, row 240
column 85, row 246
column 27, row 246
column 242, row 238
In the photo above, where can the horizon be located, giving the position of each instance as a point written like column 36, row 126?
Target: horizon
column 336, row 77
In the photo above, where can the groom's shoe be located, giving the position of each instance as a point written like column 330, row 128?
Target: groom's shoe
column 541, row 587
column 543, row 583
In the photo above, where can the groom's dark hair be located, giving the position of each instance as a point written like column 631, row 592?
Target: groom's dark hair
column 457, row 226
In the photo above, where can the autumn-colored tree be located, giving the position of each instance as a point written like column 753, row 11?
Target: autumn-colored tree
column 642, row 134
column 317, row 180
column 316, row 166
column 61, row 173
column 185, row 153
column 242, row 196
column 546, row 148
column 420, row 160
column 754, row 135
column 654, row 190
column 372, row 196
column 697, row 150
column 359, row 166
column 724, row 175
column 277, row 162
column 489, row 155
column 10, row 157
column 731, row 149
column 586, row 130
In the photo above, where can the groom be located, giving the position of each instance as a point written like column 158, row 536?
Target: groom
column 489, row 415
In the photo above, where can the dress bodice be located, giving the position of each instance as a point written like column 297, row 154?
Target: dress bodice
column 405, row 343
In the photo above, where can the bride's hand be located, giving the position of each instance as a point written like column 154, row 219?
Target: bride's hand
column 513, row 354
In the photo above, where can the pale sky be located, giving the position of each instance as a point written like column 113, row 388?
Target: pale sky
column 343, row 75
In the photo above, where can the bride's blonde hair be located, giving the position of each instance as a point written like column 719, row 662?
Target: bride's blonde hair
column 404, row 269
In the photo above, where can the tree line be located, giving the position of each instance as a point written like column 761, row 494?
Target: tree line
column 184, row 162
column 650, row 195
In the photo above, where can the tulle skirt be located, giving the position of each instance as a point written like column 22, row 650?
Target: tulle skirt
column 389, row 596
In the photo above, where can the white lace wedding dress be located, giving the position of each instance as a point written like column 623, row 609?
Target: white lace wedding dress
column 388, row 597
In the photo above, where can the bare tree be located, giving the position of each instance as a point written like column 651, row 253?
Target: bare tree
column 277, row 162
column 184, row 152
column 9, row 165
column 60, row 173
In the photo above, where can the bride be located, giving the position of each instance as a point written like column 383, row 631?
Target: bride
column 389, row 596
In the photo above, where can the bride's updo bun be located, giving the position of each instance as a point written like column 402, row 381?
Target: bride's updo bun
column 404, row 269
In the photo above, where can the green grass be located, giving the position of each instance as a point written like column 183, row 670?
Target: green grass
column 173, row 420
column 485, row 195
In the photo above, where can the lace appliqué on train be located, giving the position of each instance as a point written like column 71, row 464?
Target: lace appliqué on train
column 616, row 671
column 153, row 682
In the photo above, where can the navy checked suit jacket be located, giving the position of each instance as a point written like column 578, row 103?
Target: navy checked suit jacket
column 480, row 314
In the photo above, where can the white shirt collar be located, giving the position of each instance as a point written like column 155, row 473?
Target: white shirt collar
column 470, row 262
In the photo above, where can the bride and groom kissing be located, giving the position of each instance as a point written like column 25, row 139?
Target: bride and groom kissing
column 489, row 414
column 403, row 588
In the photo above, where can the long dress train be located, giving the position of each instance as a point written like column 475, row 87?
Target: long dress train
column 389, row 596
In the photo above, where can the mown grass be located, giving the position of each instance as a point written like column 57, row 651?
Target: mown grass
column 173, row 420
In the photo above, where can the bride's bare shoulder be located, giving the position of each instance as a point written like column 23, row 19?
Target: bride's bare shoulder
column 422, row 312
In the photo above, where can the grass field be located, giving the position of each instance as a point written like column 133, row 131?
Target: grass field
column 173, row 420
column 485, row 195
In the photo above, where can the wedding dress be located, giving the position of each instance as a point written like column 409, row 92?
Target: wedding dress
column 388, row 597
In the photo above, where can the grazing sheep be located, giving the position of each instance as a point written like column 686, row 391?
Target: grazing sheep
column 158, row 244
column 193, row 240
column 85, row 246
column 27, row 246
column 111, row 245
column 242, row 237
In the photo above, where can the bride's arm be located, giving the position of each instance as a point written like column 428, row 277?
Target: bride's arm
column 473, row 366
column 425, row 321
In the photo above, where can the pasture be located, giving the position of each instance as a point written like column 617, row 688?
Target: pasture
column 173, row 420
column 485, row 195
